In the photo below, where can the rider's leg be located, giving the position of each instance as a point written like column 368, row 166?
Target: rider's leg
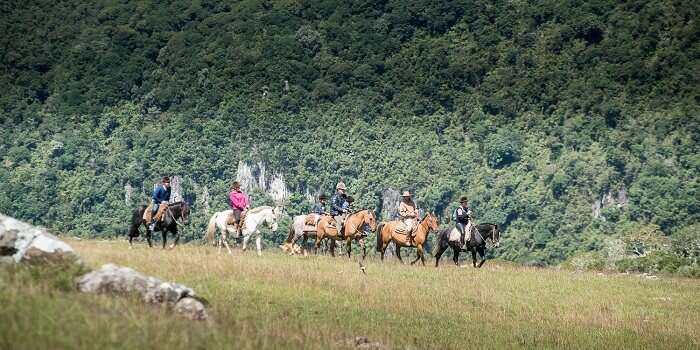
column 154, row 210
column 460, row 227
column 237, row 216
column 339, row 224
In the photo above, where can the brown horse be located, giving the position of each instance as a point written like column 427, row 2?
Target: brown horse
column 299, row 230
column 387, row 232
column 353, row 230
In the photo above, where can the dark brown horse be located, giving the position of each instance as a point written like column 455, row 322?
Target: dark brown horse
column 176, row 211
column 476, row 244
column 387, row 232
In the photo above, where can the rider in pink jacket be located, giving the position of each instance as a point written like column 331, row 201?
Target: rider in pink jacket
column 239, row 202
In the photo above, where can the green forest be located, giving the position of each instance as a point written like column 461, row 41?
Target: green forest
column 574, row 125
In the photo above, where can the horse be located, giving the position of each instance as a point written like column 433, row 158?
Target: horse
column 254, row 217
column 176, row 211
column 477, row 242
column 298, row 229
column 387, row 233
column 353, row 231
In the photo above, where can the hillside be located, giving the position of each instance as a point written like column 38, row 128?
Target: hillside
column 567, row 123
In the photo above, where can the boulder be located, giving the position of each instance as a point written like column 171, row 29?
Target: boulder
column 120, row 280
column 22, row 242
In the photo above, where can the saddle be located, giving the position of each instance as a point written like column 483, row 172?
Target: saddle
column 231, row 220
column 159, row 214
column 455, row 236
column 311, row 219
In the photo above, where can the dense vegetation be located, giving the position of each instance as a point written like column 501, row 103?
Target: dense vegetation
column 572, row 124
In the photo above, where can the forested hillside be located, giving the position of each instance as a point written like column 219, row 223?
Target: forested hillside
column 574, row 125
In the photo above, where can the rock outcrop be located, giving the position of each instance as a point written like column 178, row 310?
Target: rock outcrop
column 120, row 280
column 24, row 243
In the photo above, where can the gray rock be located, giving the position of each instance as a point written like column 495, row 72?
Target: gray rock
column 120, row 280
column 30, row 244
column 192, row 309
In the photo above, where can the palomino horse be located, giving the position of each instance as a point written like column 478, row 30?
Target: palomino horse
column 298, row 229
column 387, row 233
column 477, row 242
column 253, row 219
column 353, row 227
column 176, row 211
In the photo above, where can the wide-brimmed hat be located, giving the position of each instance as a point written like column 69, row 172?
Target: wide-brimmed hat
column 463, row 199
column 406, row 194
column 340, row 186
column 322, row 197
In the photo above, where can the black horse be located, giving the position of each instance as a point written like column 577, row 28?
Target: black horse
column 477, row 243
column 176, row 211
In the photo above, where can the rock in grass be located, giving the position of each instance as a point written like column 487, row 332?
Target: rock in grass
column 120, row 280
column 21, row 242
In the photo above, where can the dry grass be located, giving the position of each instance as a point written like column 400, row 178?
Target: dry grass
column 276, row 301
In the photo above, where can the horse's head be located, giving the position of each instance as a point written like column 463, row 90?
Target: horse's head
column 182, row 212
column 273, row 218
column 370, row 218
column 431, row 221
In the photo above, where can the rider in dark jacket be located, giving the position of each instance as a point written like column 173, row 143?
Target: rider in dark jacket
column 320, row 206
column 462, row 216
column 160, row 194
column 339, row 207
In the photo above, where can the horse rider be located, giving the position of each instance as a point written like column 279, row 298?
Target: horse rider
column 339, row 207
column 239, row 202
column 161, row 194
column 408, row 214
column 463, row 218
column 320, row 206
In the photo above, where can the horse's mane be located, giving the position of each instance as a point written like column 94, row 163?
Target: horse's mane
column 259, row 209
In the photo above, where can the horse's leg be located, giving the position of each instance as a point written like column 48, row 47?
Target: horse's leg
column 364, row 248
column 438, row 254
column 303, row 245
column 224, row 241
column 419, row 254
column 177, row 238
column 455, row 258
column 245, row 242
column 398, row 252
column 482, row 254
column 332, row 247
column 258, row 243
column 473, row 249
column 348, row 244
column 149, row 236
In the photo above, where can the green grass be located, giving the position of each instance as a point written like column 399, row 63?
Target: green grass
column 276, row 301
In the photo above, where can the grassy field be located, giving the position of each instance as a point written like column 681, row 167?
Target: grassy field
column 277, row 301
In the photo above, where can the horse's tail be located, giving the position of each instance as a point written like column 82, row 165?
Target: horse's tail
column 136, row 220
column 290, row 234
column 442, row 241
column 379, row 236
column 211, row 229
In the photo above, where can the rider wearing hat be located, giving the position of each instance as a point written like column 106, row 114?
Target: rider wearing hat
column 320, row 206
column 239, row 202
column 408, row 214
column 462, row 216
column 160, row 194
column 339, row 208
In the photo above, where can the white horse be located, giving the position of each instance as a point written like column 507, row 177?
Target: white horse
column 253, row 219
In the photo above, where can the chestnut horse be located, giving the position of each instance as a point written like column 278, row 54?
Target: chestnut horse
column 387, row 233
column 353, row 231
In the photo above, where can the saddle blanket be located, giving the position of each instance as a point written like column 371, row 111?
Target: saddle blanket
column 159, row 214
column 455, row 236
